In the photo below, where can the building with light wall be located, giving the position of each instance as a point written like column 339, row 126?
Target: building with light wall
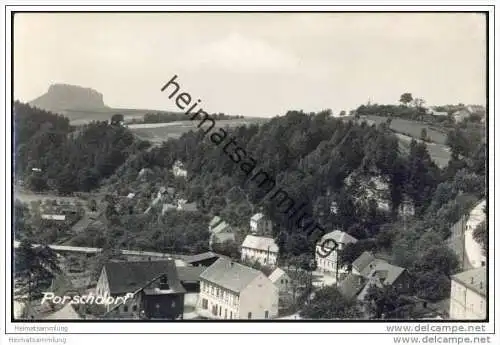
column 328, row 264
column 229, row 290
column 468, row 300
column 261, row 249
column 260, row 225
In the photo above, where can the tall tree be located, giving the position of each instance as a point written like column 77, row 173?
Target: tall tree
column 406, row 98
column 35, row 265
column 329, row 303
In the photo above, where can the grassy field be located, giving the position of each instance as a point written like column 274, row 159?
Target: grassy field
column 159, row 132
column 412, row 128
column 439, row 153
column 406, row 130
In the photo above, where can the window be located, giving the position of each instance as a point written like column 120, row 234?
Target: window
column 204, row 303
column 164, row 283
column 125, row 308
column 225, row 313
column 282, row 282
column 134, row 307
column 220, row 311
column 249, row 315
column 231, row 315
column 266, row 314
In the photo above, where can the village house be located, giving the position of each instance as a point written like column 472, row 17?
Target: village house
column 183, row 205
column 280, row 279
column 461, row 115
column 477, row 110
column 260, row 225
column 216, row 220
column 434, row 112
column 56, row 217
column 259, row 249
column 220, row 233
column 469, row 252
column 229, row 290
column 178, row 169
column 328, row 264
column 473, row 250
column 368, row 271
column 155, row 286
column 468, row 295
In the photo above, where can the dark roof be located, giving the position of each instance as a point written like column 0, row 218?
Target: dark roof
column 129, row 276
column 352, row 285
column 190, row 259
column 200, row 257
column 362, row 261
column 230, row 275
column 189, row 273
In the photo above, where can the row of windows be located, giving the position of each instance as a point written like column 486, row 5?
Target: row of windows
column 217, row 311
column 125, row 308
column 258, row 251
column 327, row 263
column 223, row 294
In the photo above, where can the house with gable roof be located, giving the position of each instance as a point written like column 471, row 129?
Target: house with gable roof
column 368, row 271
column 229, row 290
column 261, row 225
column 281, row 279
column 156, row 290
column 468, row 299
column 259, row 249
column 328, row 264
column 220, row 232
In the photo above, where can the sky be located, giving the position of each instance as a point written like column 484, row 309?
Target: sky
column 255, row 64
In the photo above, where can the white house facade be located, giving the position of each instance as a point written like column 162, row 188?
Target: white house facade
column 328, row 264
column 261, row 249
column 259, row 224
column 468, row 295
column 229, row 290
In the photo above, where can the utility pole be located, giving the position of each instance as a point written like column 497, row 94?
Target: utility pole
column 336, row 267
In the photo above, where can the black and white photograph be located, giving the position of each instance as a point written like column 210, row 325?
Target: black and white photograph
column 209, row 167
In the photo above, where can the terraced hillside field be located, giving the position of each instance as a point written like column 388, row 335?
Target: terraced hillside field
column 413, row 128
column 406, row 130
column 159, row 132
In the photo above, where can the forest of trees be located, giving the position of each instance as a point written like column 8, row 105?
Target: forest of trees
column 164, row 117
column 309, row 154
column 51, row 155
